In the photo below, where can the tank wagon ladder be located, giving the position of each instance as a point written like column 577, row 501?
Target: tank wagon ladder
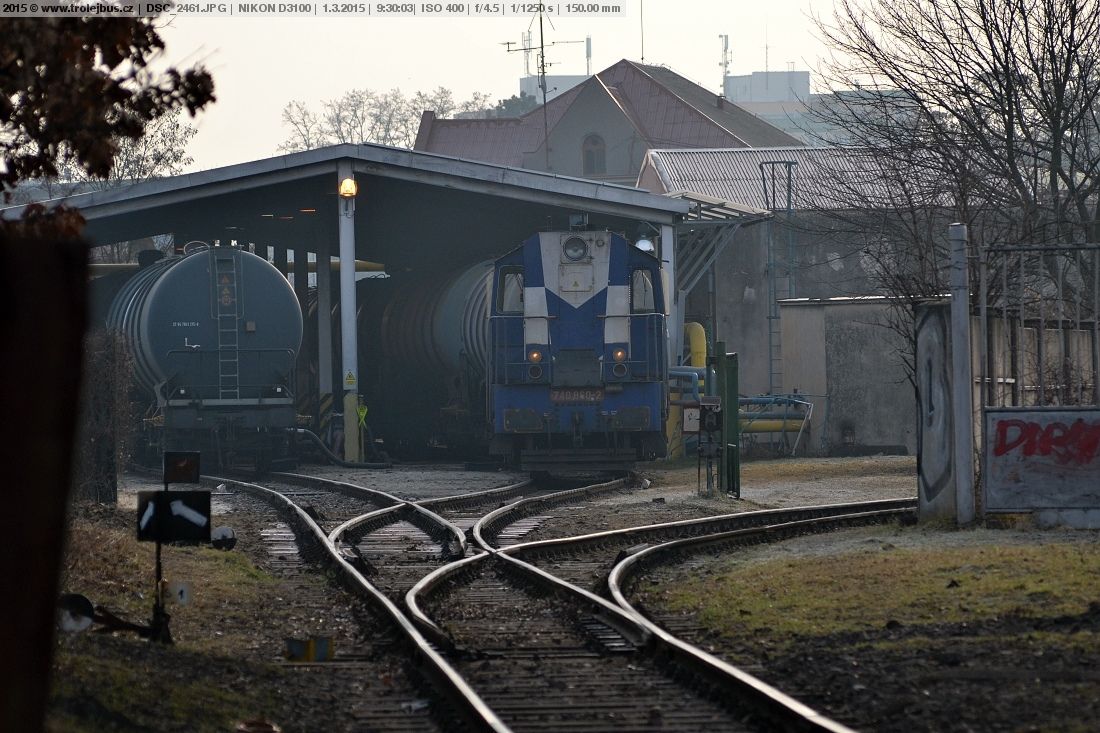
column 225, row 273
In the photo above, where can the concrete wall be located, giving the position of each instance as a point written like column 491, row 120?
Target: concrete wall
column 844, row 358
column 823, row 264
column 935, row 426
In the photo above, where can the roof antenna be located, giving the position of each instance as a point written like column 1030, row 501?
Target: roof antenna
column 542, row 85
column 541, row 61
column 641, row 20
column 725, row 62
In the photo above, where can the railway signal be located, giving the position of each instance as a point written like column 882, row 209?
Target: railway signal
column 176, row 516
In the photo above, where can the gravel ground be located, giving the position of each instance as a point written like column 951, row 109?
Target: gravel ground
column 419, row 481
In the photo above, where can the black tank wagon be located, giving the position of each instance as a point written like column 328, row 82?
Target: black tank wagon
column 214, row 336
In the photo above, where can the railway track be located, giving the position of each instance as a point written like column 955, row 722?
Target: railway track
column 302, row 533
column 528, row 636
column 548, row 654
column 587, row 560
column 368, row 668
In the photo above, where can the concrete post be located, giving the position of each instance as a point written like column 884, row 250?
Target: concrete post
column 349, row 346
column 962, row 382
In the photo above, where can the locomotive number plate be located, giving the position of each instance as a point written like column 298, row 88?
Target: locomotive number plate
column 576, row 395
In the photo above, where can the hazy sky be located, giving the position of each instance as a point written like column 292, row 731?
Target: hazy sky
column 259, row 64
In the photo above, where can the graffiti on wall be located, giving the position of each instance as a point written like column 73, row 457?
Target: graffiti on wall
column 1077, row 443
column 935, row 475
column 1042, row 459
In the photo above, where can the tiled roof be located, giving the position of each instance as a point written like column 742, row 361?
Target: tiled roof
column 502, row 140
column 665, row 108
column 747, row 127
column 822, row 178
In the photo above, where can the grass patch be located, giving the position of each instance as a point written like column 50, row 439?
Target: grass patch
column 106, row 563
column 205, row 681
column 682, row 471
column 125, row 684
column 808, row 469
column 861, row 591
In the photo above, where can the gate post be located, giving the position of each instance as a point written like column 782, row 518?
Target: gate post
column 962, row 382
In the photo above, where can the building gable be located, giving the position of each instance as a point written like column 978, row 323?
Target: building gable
column 641, row 107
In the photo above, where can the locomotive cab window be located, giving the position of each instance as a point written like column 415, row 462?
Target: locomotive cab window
column 641, row 292
column 510, row 290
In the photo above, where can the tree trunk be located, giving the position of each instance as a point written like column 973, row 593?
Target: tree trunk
column 42, row 288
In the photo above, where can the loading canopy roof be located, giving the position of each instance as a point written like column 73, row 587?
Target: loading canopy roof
column 412, row 209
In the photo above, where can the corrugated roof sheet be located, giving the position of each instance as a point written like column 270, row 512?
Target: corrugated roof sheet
column 821, row 178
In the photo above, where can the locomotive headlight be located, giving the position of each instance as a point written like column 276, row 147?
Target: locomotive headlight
column 534, row 356
column 619, row 355
column 574, row 249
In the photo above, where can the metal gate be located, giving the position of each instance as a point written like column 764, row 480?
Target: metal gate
column 1036, row 370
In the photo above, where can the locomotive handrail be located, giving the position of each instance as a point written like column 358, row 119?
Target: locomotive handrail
column 494, row 316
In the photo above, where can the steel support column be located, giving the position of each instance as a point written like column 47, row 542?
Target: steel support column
column 349, row 346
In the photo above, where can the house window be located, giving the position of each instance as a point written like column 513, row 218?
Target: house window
column 594, row 154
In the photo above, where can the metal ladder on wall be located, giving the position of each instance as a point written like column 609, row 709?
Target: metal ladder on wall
column 777, row 177
column 225, row 300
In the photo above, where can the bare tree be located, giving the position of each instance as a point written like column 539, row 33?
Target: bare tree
column 161, row 151
column 978, row 111
column 364, row 115
column 987, row 107
column 74, row 88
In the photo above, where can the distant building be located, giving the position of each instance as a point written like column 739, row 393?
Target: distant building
column 784, row 99
column 603, row 127
column 790, row 295
column 555, row 85
column 781, row 98
column 761, row 87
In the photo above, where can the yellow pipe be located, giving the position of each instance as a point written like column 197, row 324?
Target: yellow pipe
column 697, row 341
column 360, row 266
column 748, row 425
column 696, row 337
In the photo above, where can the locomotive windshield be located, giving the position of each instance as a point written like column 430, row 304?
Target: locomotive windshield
column 510, row 290
column 641, row 292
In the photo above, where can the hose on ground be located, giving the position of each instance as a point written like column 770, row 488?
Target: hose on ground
column 332, row 457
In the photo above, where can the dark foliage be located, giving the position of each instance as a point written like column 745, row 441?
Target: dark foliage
column 77, row 87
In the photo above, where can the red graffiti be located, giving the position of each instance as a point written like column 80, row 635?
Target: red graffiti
column 1079, row 443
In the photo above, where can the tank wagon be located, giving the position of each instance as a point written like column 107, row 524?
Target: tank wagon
column 435, row 343
column 214, row 336
column 578, row 369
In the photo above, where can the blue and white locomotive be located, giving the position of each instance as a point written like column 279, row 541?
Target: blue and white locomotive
column 577, row 368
